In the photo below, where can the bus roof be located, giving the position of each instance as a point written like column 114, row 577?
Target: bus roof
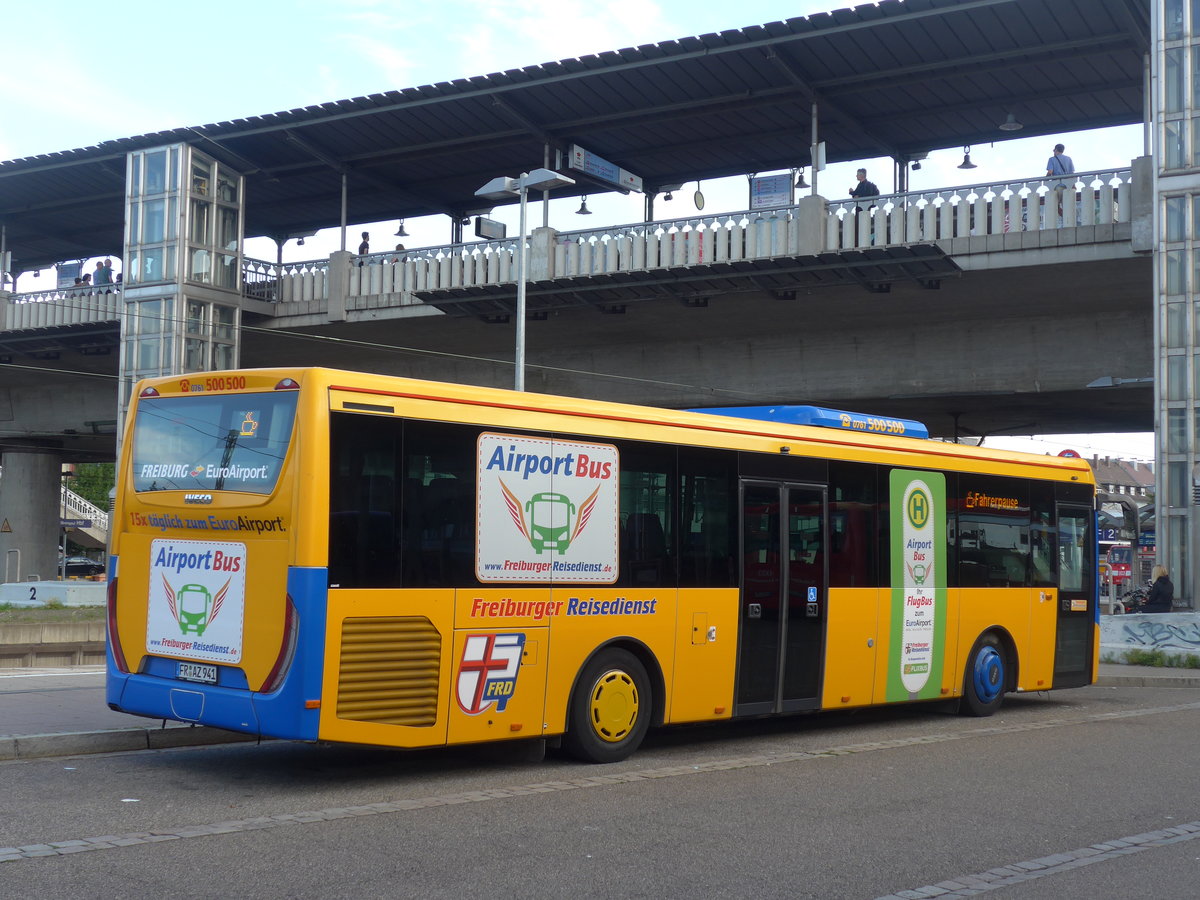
column 545, row 411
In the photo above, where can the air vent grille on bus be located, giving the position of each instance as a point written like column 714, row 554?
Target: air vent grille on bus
column 388, row 672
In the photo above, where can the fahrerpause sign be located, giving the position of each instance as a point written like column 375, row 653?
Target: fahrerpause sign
column 918, row 537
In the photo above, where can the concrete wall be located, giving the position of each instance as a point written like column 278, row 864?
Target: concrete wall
column 1169, row 632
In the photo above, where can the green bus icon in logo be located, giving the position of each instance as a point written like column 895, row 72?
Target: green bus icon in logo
column 545, row 511
column 195, row 604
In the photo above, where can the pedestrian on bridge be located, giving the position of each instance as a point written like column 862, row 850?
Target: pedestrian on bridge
column 1059, row 164
column 864, row 188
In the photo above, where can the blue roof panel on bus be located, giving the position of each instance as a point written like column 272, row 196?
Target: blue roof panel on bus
column 824, row 418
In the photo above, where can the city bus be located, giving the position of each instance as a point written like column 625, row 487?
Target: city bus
column 321, row 555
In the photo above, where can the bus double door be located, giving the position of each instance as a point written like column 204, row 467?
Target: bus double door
column 783, row 597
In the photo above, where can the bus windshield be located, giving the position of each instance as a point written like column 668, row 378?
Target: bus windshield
column 225, row 442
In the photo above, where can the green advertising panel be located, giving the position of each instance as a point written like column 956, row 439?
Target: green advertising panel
column 918, row 632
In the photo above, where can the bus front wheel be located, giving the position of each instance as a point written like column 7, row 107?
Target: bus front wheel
column 985, row 678
column 610, row 708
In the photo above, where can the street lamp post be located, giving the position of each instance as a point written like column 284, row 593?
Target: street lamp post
column 504, row 188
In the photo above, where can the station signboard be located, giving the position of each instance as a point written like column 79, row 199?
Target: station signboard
column 601, row 169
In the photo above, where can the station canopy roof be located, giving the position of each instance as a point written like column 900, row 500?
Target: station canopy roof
column 895, row 79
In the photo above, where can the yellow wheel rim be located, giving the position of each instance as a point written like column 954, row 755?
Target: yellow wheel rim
column 614, row 706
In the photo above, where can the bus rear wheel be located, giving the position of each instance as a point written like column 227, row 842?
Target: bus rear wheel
column 986, row 677
column 610, row 708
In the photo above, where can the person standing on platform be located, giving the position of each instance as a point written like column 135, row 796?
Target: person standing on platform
column 1162, row 592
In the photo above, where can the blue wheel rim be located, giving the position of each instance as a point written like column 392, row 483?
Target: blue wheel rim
column 988, row 675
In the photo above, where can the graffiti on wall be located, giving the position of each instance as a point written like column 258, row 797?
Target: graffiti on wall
column 1164, row 631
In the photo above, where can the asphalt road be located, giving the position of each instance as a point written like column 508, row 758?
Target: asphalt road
column 872, row 805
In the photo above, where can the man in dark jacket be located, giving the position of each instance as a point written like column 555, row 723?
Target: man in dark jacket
column 864, row 188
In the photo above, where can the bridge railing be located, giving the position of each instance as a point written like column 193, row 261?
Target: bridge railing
column 69, row 306
column 1038, row 204
column 79, row 508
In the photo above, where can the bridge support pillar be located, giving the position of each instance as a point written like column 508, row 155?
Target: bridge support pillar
column 30, row 493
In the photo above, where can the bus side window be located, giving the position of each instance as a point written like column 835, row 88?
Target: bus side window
column 448, row 532
column 646, row 546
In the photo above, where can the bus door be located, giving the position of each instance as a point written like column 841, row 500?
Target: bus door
column 783, row 597
column 1076, row 596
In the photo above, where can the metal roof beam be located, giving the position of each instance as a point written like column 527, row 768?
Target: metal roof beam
column 395, row 190
column 245, row 166
column 1011, row 100
column 512, row 112
column 315, row 152
column 800, row 79
column 974, row 63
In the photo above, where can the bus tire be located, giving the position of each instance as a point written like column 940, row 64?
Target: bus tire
column 610, row 708
column 986, row 677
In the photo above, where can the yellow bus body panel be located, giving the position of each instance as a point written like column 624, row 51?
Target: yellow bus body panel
column 575, row 637
column 853, row 645
column 706, row 642
column 1037, row 663
column 501, row 611
column 373, row 717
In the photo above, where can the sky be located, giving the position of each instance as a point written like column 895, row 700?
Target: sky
column 75, row 75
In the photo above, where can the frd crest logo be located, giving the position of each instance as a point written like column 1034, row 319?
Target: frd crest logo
column 487, row 672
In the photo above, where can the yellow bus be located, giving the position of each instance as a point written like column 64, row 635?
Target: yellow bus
column 324, row 555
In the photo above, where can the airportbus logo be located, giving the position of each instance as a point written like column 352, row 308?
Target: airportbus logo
column 487, row 672
column 196, row 599
column 546, row 510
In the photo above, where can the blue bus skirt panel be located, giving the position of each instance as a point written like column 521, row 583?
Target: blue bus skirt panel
column 157, row 693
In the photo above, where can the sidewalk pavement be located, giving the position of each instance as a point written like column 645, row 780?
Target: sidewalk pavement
column 62, row 712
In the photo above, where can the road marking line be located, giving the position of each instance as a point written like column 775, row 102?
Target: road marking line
column 108, row 842
column 1015, row 873
column 93, row 673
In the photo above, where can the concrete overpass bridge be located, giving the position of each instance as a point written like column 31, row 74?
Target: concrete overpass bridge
column 979, row 310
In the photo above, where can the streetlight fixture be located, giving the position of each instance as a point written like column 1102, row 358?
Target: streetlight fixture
column 504, row 187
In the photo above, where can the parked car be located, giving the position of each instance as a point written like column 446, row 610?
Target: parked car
column 82, row 565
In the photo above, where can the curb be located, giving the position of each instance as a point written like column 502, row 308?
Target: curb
column 1165, row 680
column 78, row 743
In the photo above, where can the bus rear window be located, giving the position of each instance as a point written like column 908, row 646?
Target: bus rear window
column 227, row 442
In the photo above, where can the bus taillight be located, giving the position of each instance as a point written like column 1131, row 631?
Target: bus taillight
column 287, row 649
column 114, row 639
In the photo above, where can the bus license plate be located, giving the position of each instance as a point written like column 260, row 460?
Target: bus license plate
column 195, row 672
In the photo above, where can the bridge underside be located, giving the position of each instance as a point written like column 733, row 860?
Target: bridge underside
column 968, row 353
